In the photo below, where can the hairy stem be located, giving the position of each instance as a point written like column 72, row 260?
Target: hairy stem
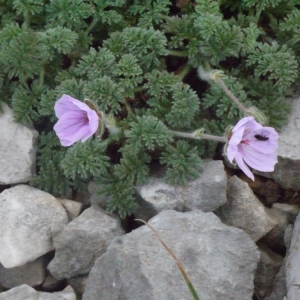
column 184, row 71
column 178, row 53
column 203, row 136
column 91, row 26
column 42, row 76
column 27, row 18
column 222, row 85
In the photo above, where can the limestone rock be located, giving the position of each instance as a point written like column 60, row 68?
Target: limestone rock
column 220, row 261
column 243, row 210
column 208, row 192
column 32, row 274
column 287, row 170
column 267, row 269
column 284, row 214
column 29, row 219
column 17, row 149
column 292, row 264
column 279, row 287
column 73, row 208
column 24, row 291
column 82, row 241
column 78, row 284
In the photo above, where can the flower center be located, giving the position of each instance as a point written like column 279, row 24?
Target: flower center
column 246, row 142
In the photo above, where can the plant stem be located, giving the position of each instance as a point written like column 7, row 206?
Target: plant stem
column 214, row 138
column 27, row 18
column 230, row 95
column 180, row 266
column 139, row 89
column 184, row 71
column 91, row 26
column 203, row 136
column 42, row 76
column 178, row 53
column 128, row 107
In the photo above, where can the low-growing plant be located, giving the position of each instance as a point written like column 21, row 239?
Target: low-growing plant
column 137, row 61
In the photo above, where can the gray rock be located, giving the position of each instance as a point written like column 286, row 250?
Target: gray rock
column 267, row 268
column 51, row 283
column 287, row 170
column 220, row 261
column 25, row 292
column 32, row 274
column 292, row 264
column 96, row 199
column 284, row 214
column 72, row 208
column 17, row 149
column 208, row 192
column 279, row 287
column 288, row 234
column 243, row 210
column 82, row 241
column 78, row 284
column 29, row 219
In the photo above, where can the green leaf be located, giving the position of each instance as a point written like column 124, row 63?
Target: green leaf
column 183, row 163
column 147, row 132
column 85, row 160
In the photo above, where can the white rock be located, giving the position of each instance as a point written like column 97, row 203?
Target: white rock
column 25, row 292
column 243, row 210
column 29, row 219
column 17, row 149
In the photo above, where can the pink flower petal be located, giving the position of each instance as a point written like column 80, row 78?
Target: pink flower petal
column 256, row 147
column 65, row 104
column 239, row 160
column 76, row 120
column 259, row 161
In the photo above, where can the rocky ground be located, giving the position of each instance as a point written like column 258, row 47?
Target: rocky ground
column 237, row 239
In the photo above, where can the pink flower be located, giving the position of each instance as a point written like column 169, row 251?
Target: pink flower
column 253, row 145
column 76, row 121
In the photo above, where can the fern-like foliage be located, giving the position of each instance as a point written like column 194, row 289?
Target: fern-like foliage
column 51, row 177
column 223, row 107
column 147, row 132
column 183, row 163
column 96, row 64
column 25, row 102
column 85, row 160
column 69, row 13
column 129, row 73
column 120, row 194
column 147, row 45
column 21, row 54
column 185, row 105
column 275, row 62
column 149, row 12
column 106, row 93
column 137, row 60
column 133, row 168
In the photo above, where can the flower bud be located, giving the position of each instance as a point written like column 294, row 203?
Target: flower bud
column 259, row 116
column 198, row 133
column 210, row 75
